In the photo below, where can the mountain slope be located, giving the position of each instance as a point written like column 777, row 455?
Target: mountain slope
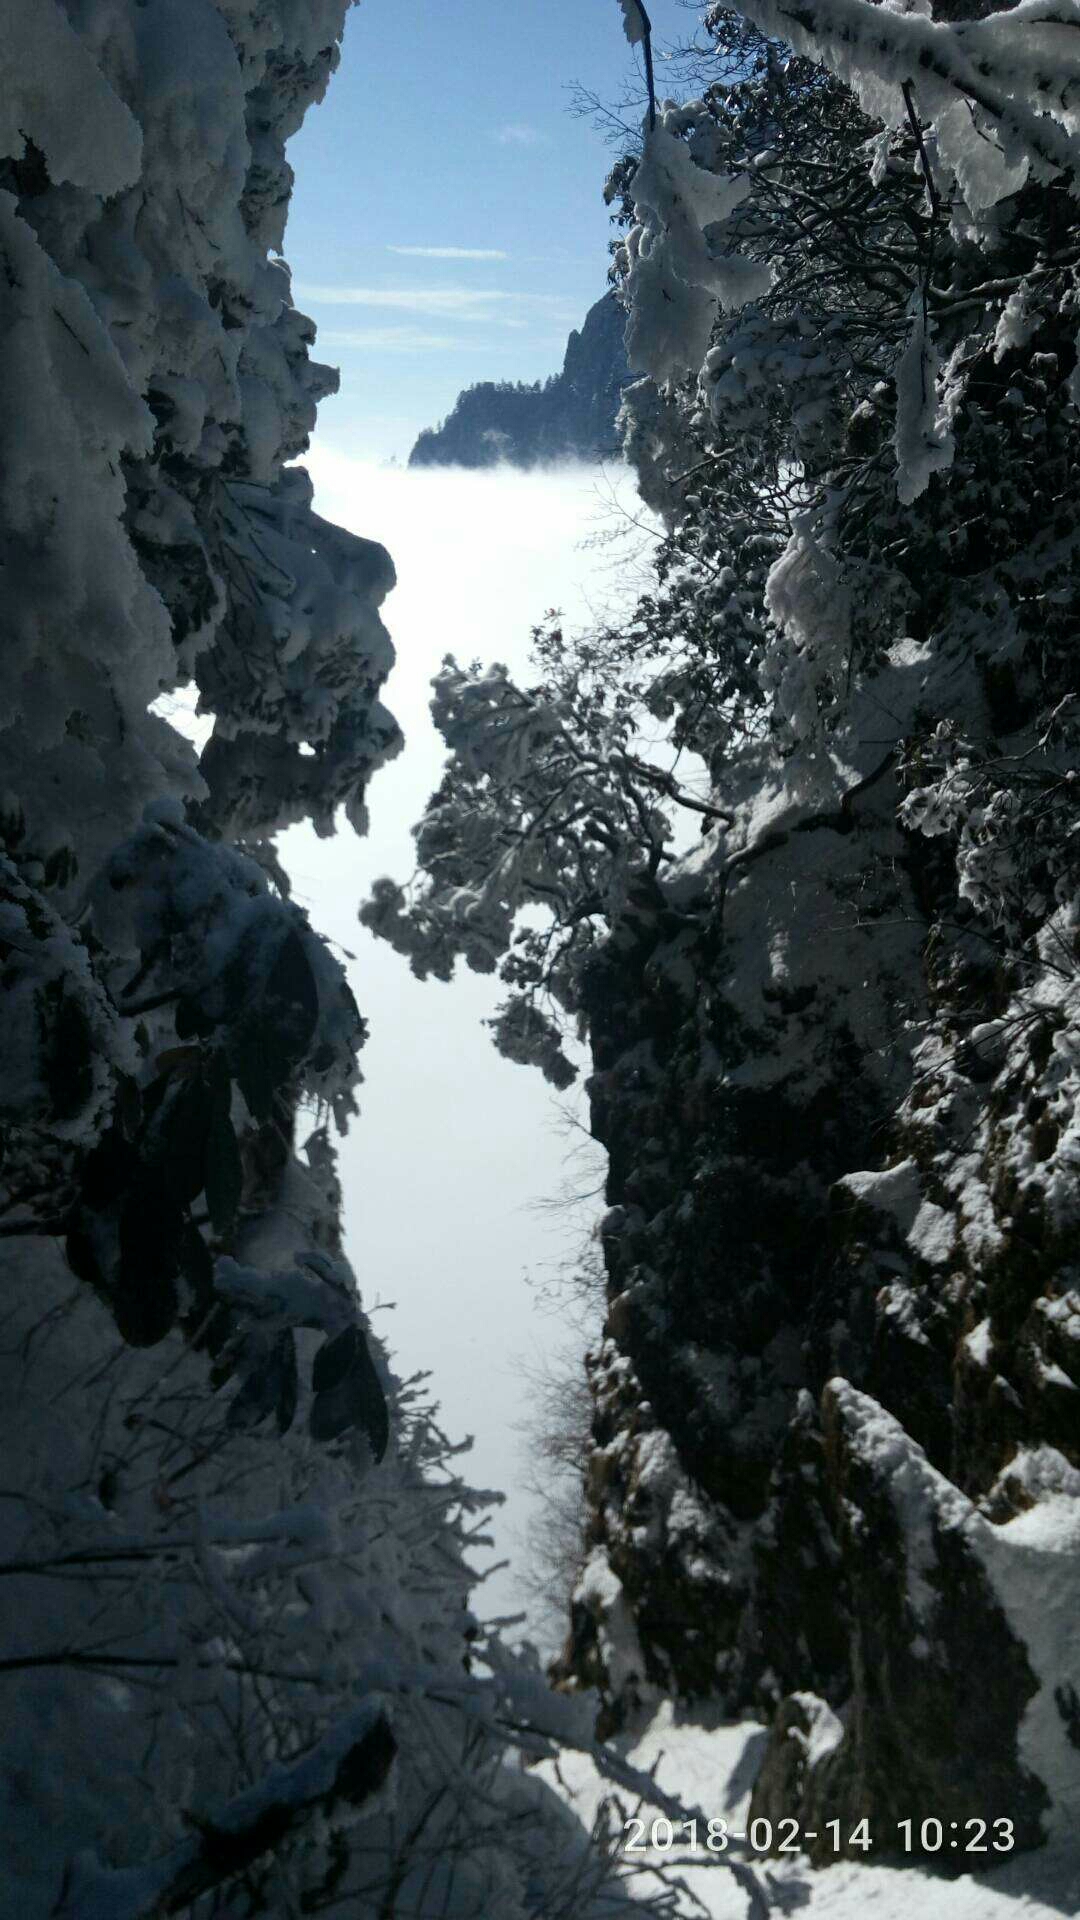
column 571, row 416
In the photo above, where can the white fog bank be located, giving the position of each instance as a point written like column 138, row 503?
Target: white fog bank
column 456, row 1146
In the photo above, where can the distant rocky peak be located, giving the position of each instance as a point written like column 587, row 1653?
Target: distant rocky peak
column 570, row 416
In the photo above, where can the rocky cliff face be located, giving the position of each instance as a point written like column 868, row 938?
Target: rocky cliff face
column 836, row 1443
column 571, row 416
column 835, row 1473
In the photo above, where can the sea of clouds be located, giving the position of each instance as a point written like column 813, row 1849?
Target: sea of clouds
column 457, row 1150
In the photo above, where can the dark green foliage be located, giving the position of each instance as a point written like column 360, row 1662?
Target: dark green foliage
column 144, row 1291
column 131, row 1234
column 223, row 1172
column 269, row 1386
column 348, row 1392
column 182, row 1130
column 69, row 1054
column 272, row 1022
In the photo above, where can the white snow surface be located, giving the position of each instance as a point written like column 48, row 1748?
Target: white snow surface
column 56, row 95
column 1031, row 1562
column 710, row 1765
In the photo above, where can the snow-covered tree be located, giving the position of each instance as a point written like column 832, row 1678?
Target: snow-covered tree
column 546, row 803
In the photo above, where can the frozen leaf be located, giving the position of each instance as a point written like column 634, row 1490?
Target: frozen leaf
column 224, row 1173
column 268, row 1387
column 348, row 1392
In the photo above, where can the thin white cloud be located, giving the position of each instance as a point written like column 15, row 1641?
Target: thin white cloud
column 390, row 339
column 490, row 304
column 458, row 303
column 451, row 253
column 518, row 135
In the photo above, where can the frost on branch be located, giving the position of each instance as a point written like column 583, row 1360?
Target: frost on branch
column 349, row 1765
column 151, row 341
column 996, row 91
column 811, row 606
column 61, row 1045
column 523, row 1033
column 240, row 967
column 924, row 444
column 544, row 805
column 633, row 24
column 993, row 118
column 679, row 274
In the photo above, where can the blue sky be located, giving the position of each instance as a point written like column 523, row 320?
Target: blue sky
column 447, row 126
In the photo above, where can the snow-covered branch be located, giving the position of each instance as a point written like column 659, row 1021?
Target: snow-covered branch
column 350, row 1764
column 545, row 803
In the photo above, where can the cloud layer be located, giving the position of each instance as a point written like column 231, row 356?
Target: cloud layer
column 390, row 339
column 455, row 1145
column 471, row 309
column 450, row 253
column 451, row 303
